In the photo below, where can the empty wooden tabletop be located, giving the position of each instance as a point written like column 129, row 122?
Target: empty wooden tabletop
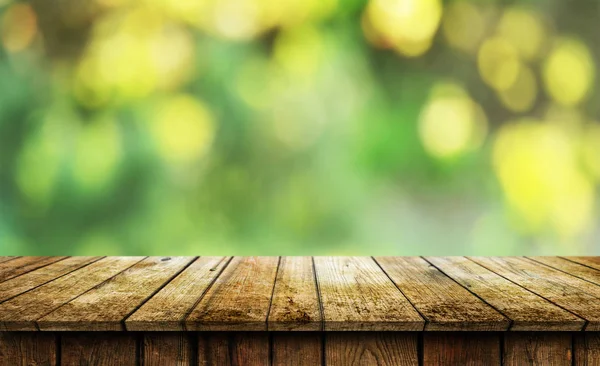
column 300, row 293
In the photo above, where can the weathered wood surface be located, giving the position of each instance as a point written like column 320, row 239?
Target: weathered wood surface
column 357, row 295
column 28, row 349
column 463, row 348
column 295, row 303
column 232, row 349
column 168, row 348
column 99, row 348
column 299, row 294
column 540, row 349
column 22, row 312
column 105, row 306
column 569, row 292
column 371, row 348
column 168, row 309
column 527, row 311
column 296, row 349
column 240, row 297
column 445, row 304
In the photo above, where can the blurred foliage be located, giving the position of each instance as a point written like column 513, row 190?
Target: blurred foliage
column 299, row 127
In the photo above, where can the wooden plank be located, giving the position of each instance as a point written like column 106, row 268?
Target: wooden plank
column 168, row 309
column 571, row 293
column 587, row 349
column 239, row 348
column 18, row 266
column 445, row 304
column 295, row 304
column 464, row 348
column 40, row 276
column 539, row 348
column 21, row 312
column 26, row 349
column 371, row 348
column 99, row 348
column 7, row 258
column 527, row 311
column 357, row 295
column 106, row 306
column 297, row 348
column 572, row 268
column 240, row 297
column 593, row 262
column 167, row 348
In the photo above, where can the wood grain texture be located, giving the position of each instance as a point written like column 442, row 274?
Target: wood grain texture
column 297, row 348
column 371, row 348
column 527, row 311
column 168, row 309
column 357, row 295
column 295, row 304
column 167, row 348
column 18, row 266
column 7, row 258
column 445, row 304
column 538, row 349
column 572, row 268
column 587, row 349
column 21, row 312
column 233, row 349
column 99, row 349
column 240, row 297
column 108, row 304
column 40, row 276
column 593, row 262
column 27, row 349
column 464, row 348
column 571, row 293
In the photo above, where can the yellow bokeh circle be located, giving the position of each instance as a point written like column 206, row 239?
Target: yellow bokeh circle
column 569, row 71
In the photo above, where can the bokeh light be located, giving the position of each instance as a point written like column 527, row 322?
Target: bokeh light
column 569, row 71
column 539, row 172
column 451, row 122
column 182, row 128
column 498, row 63
column 407, row 25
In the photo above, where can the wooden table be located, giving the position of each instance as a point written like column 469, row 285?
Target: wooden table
column 299, row 310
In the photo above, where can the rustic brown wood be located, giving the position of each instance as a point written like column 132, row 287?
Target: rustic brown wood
column 233, row 349
column 167, row 309
column 240, row 297
column 357, row 295
column 527, row 311
column 21, row 312
column 40, row 276
column 572, row 268
column 167, row 348
column 445, row 304
column 371, row 348
column 27, row 349
column 106, row 306
column 539, row 349
column 99, row 348
column 593, row 262
column 571, row 293
column 18, row 266
column 464, row 348
column 7, row 258
column 297, row 348
column 586, row 349
column 295, row 302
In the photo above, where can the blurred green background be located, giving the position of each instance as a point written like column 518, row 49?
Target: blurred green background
column 323, row 127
